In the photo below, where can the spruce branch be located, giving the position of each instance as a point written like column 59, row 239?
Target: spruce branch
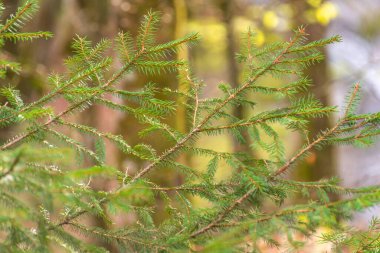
column 236, row 201
column 79, row 77
column 295, row 158
column 321, row 138
column 240, row 200
column 115, row 236
column 269, row 118
column 22, row 11
column 219, row 107
column 194, row 132
column 74, row 106
column 26, row 36
column 141, row 53
column 223, row 214
column 296, row 211
column 280, row 170
column 118, row 140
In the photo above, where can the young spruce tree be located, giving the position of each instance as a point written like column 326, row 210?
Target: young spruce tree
column 44, row 198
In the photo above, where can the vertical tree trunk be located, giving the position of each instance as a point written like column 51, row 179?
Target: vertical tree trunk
column 325, row 163
column 321, row 164
column 233, row 73
column 183, row 54
column 180, row 30
column 96, row 13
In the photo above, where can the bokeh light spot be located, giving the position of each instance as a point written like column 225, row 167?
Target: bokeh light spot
column 326, row 12
column 270, row 19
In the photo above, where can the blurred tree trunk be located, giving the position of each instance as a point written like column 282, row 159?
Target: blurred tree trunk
column 128, row 126
column 91, row 19
column 180, row 30
column 321, row 163
column 325, row 162
column 227, row 8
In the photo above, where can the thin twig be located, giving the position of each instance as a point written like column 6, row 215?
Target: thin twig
column 223, row 214
column 286, row 212
column 16, row 18
column 146, row 32
column 12, row 166
column 195, row 114
column 113, row 236
column 320, row 139
column 250, row 123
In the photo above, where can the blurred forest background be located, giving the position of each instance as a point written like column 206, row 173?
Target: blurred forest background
column 220, row 23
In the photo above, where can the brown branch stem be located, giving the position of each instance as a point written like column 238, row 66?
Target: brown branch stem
column 12, row 166
column 14, row 19
column 250, row 123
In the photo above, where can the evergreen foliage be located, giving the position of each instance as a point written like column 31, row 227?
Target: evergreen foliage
column 44, row 197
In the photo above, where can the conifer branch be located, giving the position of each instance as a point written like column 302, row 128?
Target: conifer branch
column 124, row 45
column 173, row 44
column 223, row 214
column 114, row 236
column 282, row 169
column 278, row 214
column 147, row 27
column 219, row 107
column 317, row 141
column 267, row 118
column 17, row 17
column 321, row 138
column 196, row 130
column 237, row 202
column 58, row 91
column 26, row 36
column 184, row 188
column 322, row 184
column 75, row 105
column 237, row 199
column 295, row 211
